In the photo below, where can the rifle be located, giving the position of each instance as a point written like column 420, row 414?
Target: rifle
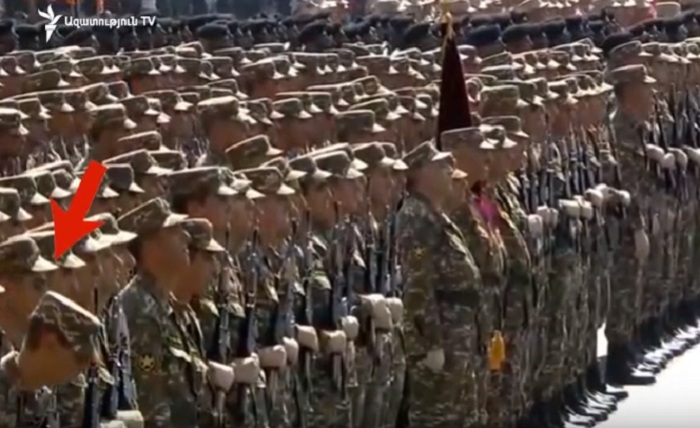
column 304, row 315
column 339, row 284
column 221, row 345
column 91, row 411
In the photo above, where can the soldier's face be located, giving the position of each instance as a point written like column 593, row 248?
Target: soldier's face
column 152, row 185
column 63, row 281
column 440, row 175
column 345, row 191
column 175, row 241
column 242, row 215
column 125, row 263
column 216, row 209
column 381, row 183
column 274, row 212
column 201, row 270
column 21, row 292
column 319, row 200
column 40, row 213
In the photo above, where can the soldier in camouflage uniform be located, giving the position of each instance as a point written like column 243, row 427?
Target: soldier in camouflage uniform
column 443, row 291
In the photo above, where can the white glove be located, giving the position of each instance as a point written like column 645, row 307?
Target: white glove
column 435, row 360
column 221, row 376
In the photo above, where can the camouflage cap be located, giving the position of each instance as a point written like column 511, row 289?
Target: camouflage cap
column 11, row 205
column 148, row 140
column 251, row 152
column 511, row 124
column 80, row 327
column 104, row 191
column 171, row 100
column 424, row 154
column 381, row 109
column 373, row 155
column 10, row 65
column 238, row 182
column 111, row 115
column 324, row 101
column 358, row 121
column 232, row 85
column 64, row 66
column 140, row 67
column 308, row 165
column 26, row 59
column 141, row 161
column 45, row 241
column 202, row 235
column 338, row 163
column 33, row 108
column 21, row 254
column 222, row 108
column 261, row 110
column 138, row 106
column 503, row 58
column 626, row 52
column 45, row 81
column 196, row 181
column 110, row 229
column 79, row 100
column 264, row 69
column 291, row 108
column 91, row 67
column 283, row 165
column 502, row 94
column 630, row 74
column 119, row 89
column 27, row 188
column 346, row 148
column 169, row 159
column 121, row 178
column 498, row 136
column 11, row 122
column 64, row 179
column 46, row 184
column 563, row 91
column 149, row 217
column 471, row 137
column 268, row 181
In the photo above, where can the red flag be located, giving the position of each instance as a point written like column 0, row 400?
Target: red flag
column 454, row 102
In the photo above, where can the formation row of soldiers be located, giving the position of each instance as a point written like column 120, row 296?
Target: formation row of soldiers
column 351, row 237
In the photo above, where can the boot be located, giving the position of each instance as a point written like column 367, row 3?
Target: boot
column 552, row 413
column 587, row 407
column 595, row 401
column 595, row 381
column 621, row 368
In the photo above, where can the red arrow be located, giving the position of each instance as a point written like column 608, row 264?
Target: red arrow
column 70, row 226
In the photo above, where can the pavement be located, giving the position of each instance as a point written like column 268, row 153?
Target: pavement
column 672, row 402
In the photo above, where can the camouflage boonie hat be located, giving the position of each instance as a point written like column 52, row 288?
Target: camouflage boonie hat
column 338, row 163
column 80, row 327
column 308, row 165
column 148, row 140
column 268, row 181
column 373, row 155
column 261, row 110
column 230, row 84
column 121, row 178
column 110, row 229
column 424, row 154
column 11, row 122
column 45, row 81
column 46, row 185
column 324, row 101
column 119, row 89
column 110, row 115
column 284, row 166
column 202, row 235
column 627, row 52
column 65, row 179
column 358, row 120
column 307, row 102
column 150, row 217
column 251, row 152
column 141, row 161
column 11, row 205
column 27, row 188
column 502, row 95
column 45, row 241
column 92, row 67
column 33, row 108
column 21, row 254
column 169, row 159
column 197, row 180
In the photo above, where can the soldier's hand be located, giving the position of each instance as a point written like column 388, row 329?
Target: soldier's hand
column 435, row 360
column 221, row 376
